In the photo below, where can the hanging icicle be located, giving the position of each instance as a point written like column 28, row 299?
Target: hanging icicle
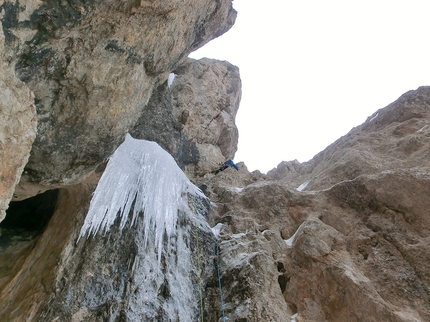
column 140, row 177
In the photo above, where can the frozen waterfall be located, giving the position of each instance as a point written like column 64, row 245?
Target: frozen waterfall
column 140, row 177
column 159, row 249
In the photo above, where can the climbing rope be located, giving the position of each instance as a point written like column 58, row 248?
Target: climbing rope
column 198, row 264
column 218, row 268
column 216, row 263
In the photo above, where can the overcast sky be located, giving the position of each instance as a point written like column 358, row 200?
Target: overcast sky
column 312, row 70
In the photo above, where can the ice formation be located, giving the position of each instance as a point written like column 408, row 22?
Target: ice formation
column 170, row 79
column 140, row 177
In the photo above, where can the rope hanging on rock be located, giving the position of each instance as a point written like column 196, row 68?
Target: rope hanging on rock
column 199, row 265
column 217, row 264
column 218, row 268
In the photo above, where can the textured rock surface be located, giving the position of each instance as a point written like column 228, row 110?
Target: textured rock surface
column 343, row 237
column 92, row 66
column 17, row 128
column 356, row 248
column 397, row 136
column 124, row 283
column 197, row 128
column 50, row 277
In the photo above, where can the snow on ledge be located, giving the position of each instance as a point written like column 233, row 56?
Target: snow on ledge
column 374, row 117
column 422, row 129
column 217, row 229
column 290, row 240
column 303, row 185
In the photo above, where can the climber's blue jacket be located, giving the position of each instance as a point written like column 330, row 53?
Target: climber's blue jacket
column 230, row 163
column 225, row 165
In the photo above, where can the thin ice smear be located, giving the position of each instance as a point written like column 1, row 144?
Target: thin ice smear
column 140, row 177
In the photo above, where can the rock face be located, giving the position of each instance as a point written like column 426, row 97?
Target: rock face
column 343, row 237
column 394, row 137
column 352, row 244
column 354, row 252
column 92, row 66
column 198, row 129
column 17, row 128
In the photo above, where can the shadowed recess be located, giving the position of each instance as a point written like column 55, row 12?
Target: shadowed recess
column 32, row 214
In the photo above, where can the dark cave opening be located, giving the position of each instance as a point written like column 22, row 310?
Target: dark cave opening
column 30, row 215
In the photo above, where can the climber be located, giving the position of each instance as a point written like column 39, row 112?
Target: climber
column 225, row 165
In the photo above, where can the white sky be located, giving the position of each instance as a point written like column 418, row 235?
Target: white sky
column 311, row 70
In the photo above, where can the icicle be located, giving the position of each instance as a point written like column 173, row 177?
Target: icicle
column 140, row 172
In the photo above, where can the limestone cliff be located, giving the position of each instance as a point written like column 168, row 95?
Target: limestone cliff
column 92, row 66
column 343, row 237
column 346, row 234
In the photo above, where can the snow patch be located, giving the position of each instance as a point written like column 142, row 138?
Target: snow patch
column 216, row 230
column 422, row 129
column 236, row 189
column 170, row 79
column 293, row 317
column 140, row 177
column 374, row 117
column 237, row 236
column 290, row 240
column 303, row 185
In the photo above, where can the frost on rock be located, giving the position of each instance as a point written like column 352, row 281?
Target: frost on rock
column 140, row 177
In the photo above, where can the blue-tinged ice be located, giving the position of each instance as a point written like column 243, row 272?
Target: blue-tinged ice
column 140, row 177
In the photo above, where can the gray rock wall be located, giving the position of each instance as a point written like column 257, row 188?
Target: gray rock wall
column 198, row 128
column 92, row 66
column 18, row 122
